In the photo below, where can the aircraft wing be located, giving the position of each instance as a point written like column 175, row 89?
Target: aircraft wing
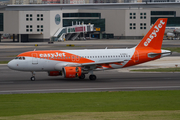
column 119, row 62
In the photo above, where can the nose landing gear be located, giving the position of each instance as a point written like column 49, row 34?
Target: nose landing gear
column 33, row 76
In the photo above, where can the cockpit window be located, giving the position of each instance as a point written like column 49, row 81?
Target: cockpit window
column 20, row 58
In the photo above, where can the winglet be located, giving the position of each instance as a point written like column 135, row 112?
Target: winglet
column 154, row 37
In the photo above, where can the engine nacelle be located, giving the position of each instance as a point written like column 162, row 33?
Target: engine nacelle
column 54, row 73
column 72, row 72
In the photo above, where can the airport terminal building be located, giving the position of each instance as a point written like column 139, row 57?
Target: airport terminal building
column 69, row 22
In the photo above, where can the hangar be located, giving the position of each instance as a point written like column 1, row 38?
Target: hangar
column 43, row 22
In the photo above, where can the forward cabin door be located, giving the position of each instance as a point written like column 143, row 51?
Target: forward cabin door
column 34, row 58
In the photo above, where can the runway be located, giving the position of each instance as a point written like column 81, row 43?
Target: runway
column 12, row 82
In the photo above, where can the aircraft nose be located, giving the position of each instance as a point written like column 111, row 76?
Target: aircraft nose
column 11, row 64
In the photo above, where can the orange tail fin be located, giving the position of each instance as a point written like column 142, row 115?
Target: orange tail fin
column 154, row 37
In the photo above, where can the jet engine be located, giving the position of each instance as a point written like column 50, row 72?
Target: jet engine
column 54, row 73
column 72, row 72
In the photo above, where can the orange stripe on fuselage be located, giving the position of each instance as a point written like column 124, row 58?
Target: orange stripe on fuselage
column 55, row 55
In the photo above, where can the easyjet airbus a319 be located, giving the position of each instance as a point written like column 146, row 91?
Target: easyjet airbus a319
column 77, row 63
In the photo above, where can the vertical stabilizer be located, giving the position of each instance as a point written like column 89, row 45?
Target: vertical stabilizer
column 154, row 38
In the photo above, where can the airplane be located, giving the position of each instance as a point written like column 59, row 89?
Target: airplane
column 78, row 63
column 172, row 32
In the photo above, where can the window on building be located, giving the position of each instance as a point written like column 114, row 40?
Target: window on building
column 82, row 15
column 1, row 21
column 134, row 27
column 134, row 13
column 130, row 24
column 37, row 15
column 41, row 26
column 37, row 30
column 130, row 17
column 41, row 30
column 144, row 17
column 27, row 19
column 144, row 13
column 130, row 13
column 41, row 15
column 27, row 15
column 27, row 30
column 30, row 30
column 142, row 25
column 30, row 26
column 27, row 26
column 134, row 24
column 141, row 13
column 30, row 15
column 37, row 26
column 163, row 13
column 141, row 17
column 30, row 19
column 41, row 19
column 134, row 17
column 130, row 28
column 37, row 19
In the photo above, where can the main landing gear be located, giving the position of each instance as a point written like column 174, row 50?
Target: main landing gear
column 91, row 77
column 33, row 76
column 82, row 76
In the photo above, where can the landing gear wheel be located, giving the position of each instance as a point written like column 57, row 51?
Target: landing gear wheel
column 92, row 77
column 32, row 78
column 82, row 76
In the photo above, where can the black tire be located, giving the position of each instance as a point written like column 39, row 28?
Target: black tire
column 92, row 77
column 32, row 78
column 82, row 76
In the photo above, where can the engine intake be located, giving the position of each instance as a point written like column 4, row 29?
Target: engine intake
column 72, row 72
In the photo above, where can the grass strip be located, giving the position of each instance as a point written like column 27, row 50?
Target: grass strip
column 127, row 115
column 159, row 70
column 173, row 49
column 26, row 104
column 4, row 62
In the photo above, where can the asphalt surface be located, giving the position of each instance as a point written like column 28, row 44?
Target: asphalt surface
column 12, row 82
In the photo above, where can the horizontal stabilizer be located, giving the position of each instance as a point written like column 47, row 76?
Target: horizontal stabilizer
column 152, row 55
